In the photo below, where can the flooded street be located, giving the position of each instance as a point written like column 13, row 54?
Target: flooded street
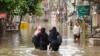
column 56, row 19
column 15, row 44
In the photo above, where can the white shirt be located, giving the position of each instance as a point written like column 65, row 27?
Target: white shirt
column 76, row 30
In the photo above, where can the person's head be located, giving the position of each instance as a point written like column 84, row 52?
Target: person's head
column 43, row 29
column 77, row 24
column 39, row 28
column 54, row 29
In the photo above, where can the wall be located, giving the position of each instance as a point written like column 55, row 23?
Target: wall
column 98, row 16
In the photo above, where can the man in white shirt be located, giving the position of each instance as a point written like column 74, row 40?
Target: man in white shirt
column 76, row 31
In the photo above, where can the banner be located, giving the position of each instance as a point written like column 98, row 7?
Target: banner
column 83, row 10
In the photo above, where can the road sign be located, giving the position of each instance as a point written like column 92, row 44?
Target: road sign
column 83, row 10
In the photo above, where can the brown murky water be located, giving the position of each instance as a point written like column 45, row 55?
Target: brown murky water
column 14, row 44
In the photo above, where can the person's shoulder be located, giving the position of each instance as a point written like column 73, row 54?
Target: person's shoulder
column 58, row 33
column 46, row 33
column 40, row 34
column 74, row 26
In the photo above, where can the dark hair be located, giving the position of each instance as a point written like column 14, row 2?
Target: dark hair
column 43, row 29
column 54, row 29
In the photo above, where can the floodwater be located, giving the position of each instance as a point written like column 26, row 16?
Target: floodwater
column 15, row 44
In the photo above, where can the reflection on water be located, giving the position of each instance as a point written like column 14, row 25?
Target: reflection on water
column 71, row 48
column 11, row 39
column 18, row 45
column 14, row 44
column 45, row 53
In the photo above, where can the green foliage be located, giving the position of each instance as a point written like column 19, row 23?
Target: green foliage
column 38, row 10
column 6, row 5
column 21, row 7
column 34, row 7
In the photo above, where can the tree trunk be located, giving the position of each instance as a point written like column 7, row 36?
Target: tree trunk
column 1, row 30
column 20, row 23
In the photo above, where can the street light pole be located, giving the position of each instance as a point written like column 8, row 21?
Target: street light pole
column 91, row 17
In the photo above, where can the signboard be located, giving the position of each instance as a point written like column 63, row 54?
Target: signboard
column 83, row 10
column 24, row 26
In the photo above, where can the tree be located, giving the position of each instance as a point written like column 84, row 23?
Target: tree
column 35, row 7
column 21, row 7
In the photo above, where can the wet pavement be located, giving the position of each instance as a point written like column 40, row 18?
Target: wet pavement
column 14, row 44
